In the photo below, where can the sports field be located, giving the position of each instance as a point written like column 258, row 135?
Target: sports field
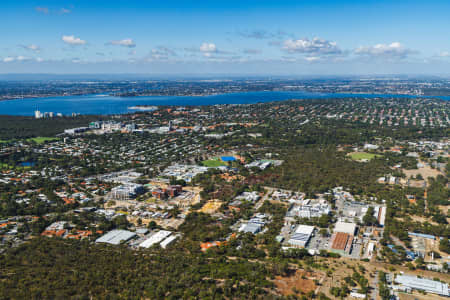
column 363, row 155
column 41, row 140
column 213, row 163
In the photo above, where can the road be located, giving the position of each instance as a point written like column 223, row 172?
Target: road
column 265, row 197
column 375, row 287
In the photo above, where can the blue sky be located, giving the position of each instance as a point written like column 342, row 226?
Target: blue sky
column 225, row 37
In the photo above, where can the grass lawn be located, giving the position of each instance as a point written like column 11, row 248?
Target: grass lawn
column 212, row 163
column 41, row 140
column 362, row 155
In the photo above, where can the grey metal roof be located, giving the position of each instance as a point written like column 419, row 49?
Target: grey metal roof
column 427, row 285
column 115, row 237
column 252, row 228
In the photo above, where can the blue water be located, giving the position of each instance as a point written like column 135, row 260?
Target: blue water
column 228, row 158
column 104, row 105
column 27, row 164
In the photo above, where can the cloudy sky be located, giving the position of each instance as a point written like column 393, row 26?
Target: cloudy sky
column 257, row 37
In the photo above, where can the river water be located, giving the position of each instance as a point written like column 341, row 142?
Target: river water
column 104, row 105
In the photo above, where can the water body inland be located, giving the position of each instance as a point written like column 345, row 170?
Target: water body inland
column 106, row 105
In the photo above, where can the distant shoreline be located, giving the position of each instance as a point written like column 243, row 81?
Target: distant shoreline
column 29, row 97
column 110, row 105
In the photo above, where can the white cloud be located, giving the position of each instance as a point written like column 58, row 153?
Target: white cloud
column 444, row 54
column 72, row 40
column 9, row 59
column 312, row 58
column 393, row 50
column 124, row 43
column 77, row 60
column 19, row 58
column 315, row 46
column 22, row 58
column 208, row 48
column 31, row 47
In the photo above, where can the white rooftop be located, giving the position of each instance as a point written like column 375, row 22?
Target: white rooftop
column 168, row 241
column 345, row 227
column 155, row 238
column 305, row 229
column 427, row 285
column 115, row 237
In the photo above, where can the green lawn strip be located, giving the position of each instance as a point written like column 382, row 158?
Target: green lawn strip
column 41, row 140
column 363, row 155
column 213, row 163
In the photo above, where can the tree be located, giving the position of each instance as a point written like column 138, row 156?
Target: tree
column 369, row 219
column 444, row 245
column 323, row 232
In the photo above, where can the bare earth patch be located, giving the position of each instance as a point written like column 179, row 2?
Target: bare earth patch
column 211, row 206
column 419, row 296
column 301, row 281
column 426, row 172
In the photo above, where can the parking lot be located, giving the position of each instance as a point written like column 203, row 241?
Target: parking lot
column 319, row 243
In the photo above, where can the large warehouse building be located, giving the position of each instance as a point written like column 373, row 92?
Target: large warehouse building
column 301, row 236
column 345, row 227
column 115, row 237
column 155, row 238
column 427, row 285
column 341, row 242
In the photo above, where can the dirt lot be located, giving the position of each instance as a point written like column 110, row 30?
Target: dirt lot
column 300, row 281
column 342, row 268
column 419, row 296
column 416, row 183
column 211, row 206
column 444, row 209
column 426, row 172
column 165, row 223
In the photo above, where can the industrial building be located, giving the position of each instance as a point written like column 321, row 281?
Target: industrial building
column 249, row 196
column 253, row 226
column 341, row 242
column 345, row 227
column 74, row 131
column 309, row 209
column 370, row 249
column 124, row 177
column 126, row 191
column 422, row 284
column 418, row 244
column 183, row 172
column 155, row 238
column 173, row 190
column 159, row 194
column 166, row 242
column 381, row 215
column 115, row 237
column 301, row 236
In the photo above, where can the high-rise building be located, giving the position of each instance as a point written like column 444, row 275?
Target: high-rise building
column 37, row 114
